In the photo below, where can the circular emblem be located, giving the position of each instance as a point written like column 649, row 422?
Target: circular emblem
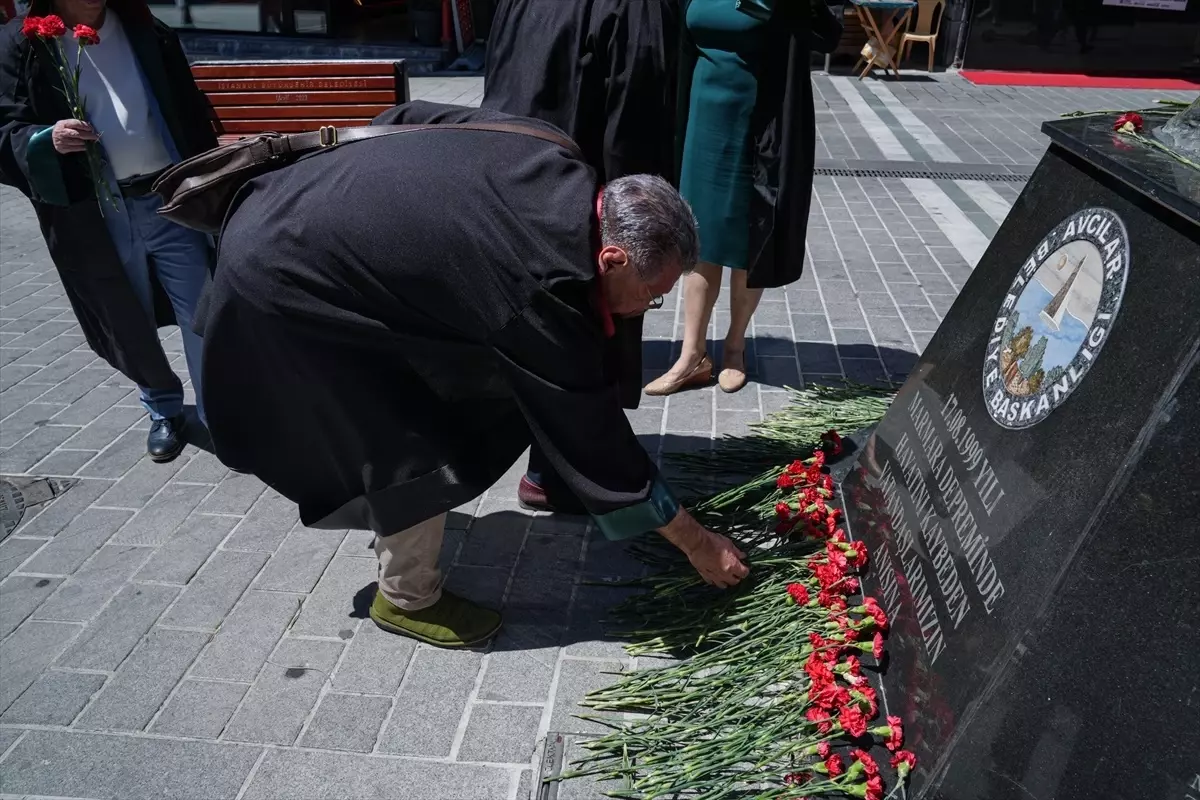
column 1056, row 317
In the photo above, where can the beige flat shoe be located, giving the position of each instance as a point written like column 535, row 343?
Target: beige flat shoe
column 731, row 380
column 699, row 376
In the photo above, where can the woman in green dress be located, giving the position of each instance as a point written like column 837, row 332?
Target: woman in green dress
column 746, row 146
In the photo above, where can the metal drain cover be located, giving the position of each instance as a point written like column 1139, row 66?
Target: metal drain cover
column 18, row 493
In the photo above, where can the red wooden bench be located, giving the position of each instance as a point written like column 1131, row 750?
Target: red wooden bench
column 251, row 97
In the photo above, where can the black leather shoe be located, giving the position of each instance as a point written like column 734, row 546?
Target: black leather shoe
column 165, row 441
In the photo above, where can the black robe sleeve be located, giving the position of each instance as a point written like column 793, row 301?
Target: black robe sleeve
column 28, row 160
column 552, row 354
column 640, row 87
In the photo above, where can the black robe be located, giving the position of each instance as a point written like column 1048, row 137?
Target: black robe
column 391, row 323
column 604, row 72
column 114, row 323
column 783, row 129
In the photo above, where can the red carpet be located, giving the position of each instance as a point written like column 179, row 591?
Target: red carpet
column 984, row 77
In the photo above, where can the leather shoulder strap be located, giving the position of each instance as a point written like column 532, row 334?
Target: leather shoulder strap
column 298, row 144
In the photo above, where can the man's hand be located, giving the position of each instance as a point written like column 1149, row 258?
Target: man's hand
column 716, row 558
column 72, row 136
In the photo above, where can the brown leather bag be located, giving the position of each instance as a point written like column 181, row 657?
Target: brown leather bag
column 197, row 193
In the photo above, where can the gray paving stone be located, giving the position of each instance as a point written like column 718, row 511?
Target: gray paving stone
column 63, row 462
column 136, row 488
column 247, row 636
column 235, row 494
column 63, row 764
column 431, row 703
column 495, row 539
column 132, row 697
column 107, row 428
column 360, row 544
column 277, row 705
column 30, row 417
column 59, row 512
column 105, row 643
column 94, row 584
column 178, row 560
column 266, row 525
column 329, row 776
column 77, row 541
column 119, row 457
column 89, row 406
column 575, row 680
column 55, row 698
column 19, row 596
column 13, row 551
column 483, row 585
column 34, row 447
column 7, row 737
column 375, row 662
column 26, row 653
column 199, row 709
column 690, row 412
column 203, row 467
column 501, row 734
column 157, row 522
column 215, row 590
column 330, row 608
column 299, row 561
column 346, row 722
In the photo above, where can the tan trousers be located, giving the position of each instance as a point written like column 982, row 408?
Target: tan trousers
column 408, row 565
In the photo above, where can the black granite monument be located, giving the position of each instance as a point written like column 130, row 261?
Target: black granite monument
column 1032, row 498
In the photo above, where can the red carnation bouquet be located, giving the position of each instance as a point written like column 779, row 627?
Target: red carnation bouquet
column 51, row 31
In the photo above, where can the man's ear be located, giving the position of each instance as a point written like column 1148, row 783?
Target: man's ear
column 611, row 257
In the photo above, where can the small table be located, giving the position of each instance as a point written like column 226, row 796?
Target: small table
column 870, row 12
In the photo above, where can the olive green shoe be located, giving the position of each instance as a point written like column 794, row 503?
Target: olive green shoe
column 450, row 622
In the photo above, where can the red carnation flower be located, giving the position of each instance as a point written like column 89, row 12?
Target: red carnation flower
column 835, row 555
column 798, row 593
column 785, row 481
column 903, row 762
column 896, row 739
column 87, row 35
column 860, row 554
column 869, row 765
column 830, row 697
column 877, row 647
column 874, row 788
column 821, row 719
column 797, row 467
column 783, row 510
column 818, row 458
column 832, row 442
column 817, row 670
column 31, row 28
column 1128, row 123
column 834, row 765
column 52, row 27
column 877, row 613
column 852, row 720
column 823, row 750
column 865, row 695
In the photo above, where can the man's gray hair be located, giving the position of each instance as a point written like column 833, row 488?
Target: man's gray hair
column 646, row 217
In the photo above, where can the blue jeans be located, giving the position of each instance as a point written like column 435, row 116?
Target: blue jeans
column 179, row 257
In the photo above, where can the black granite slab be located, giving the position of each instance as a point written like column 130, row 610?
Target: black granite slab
column 1144, row 168
column 1039, row 565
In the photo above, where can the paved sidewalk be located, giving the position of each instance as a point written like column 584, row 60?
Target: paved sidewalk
column 171, row 631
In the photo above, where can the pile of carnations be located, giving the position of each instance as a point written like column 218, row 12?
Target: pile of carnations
column 775, row 697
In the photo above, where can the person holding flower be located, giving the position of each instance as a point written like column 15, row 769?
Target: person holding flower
column 97, row 99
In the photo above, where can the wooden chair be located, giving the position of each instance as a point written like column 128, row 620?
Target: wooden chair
column 298, row 96
column 929, row 22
